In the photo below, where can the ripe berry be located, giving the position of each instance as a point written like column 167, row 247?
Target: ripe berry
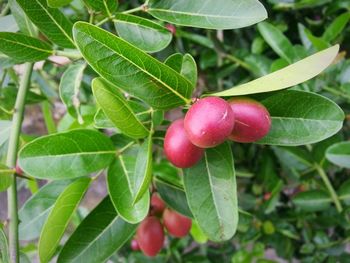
column 135, row 245
column 150, row 236
column 252, row 120
column 209, row 122
column 176, row 224
column 178, row 148
column 157, row 205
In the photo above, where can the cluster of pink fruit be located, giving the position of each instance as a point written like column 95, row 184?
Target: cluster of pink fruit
column 209, row 122
column 150, row 233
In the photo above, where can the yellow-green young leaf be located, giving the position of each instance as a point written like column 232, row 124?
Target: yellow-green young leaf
column 289, row 76
column 21, row 18
column 185, row 65
column 23, row 48
column 49, row 21
column 210, row 188
column 103, row 232
column 339, row 154
column 59, row 218
column 5, row 177
column 142, row 33
column 312, row 201
column 300, row 118
column 67, row 155
column 117, row 109
column 58, row 3
column 211, row 14
column 107, row 7
column 131, row 69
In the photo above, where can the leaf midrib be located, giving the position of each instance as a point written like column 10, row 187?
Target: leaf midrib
column 68, row 154
column 26, row 45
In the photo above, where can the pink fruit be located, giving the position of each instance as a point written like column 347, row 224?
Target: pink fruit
column 157, row 205
column 252, row 120
column 209, row 122
column 150, row 236
column 178, row 148
column 135, row 245
column 176, row 224
column 171, row 28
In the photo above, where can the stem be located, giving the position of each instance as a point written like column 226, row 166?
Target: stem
column 104, row 20
column 238, row 61
column 337, row 93
column 49, row 122
column 140, row 8
column 329, row 187
column 11, row 162
column 73, row 54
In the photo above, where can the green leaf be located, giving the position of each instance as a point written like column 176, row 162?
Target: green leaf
column 289, row 76
column 317, row 42
column 23, row 48
column 5, row 129
column 59, row 217
column 339, row 154
column 278, row 41
column 344, row 192
column 185, row 65
column 49, row 21
column 121, row 181
column 300, row 118
column 107, row 7
column 131, row 69
column 70, row 87
column 58, row 3
column 101, row 121
column 4, row 248
column 210, row 188
column 102, row 231
column 173, row 196
column 198, row 234
column 117, row 109
column 312, row 201
column 5, row 177
column 142, row 33
column 337, row 26
column 211, row 14
column 34, row 212
column 67, row 155
column 21, row 18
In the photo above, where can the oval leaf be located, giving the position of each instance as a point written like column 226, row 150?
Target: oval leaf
column 34, row 212
column 59, row 218
column 289, row 76
column 339, row 154
column 5, row 177
column 142, row 33
column 117, row 109
column 131, row 69
column 300, row 118
column 185, row 65
column 211, row 14
column 312, row 201
column 102, row 230
column 67, row 155
column 51, row 22
column 23, row 48
column 211, row 193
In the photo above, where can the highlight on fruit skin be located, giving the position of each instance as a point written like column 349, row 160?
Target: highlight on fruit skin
column 179, row 150
column 176, row 224
column 150, row 236
column 135, row 245
column 157, row 205
column 252, row 120
column 209, row 122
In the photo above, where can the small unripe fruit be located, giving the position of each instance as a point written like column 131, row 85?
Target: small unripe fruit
column 135, row 245
column 171, row 28
column 176, row 224
column 209, row 122
column 252, row 120
column 157, row 205
column 150, row 236
column 178, row 148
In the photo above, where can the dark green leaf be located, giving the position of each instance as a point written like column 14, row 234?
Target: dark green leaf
column 344, row 192
column 67, row 155
column 185, row 65
column 58, row 3
column 210, row 188
column 102, row 231
column 21, row 18
column 312, row 201
column 211, row 14
column 131, row 69
column 337, row 26
column 23, row 48
column 107, row 7
column 5, row 177
column 59, row 217
column 339, row 154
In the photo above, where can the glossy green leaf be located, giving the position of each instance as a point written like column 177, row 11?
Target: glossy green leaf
column 117, row 109
column 23, row 48
column 185, row 65
column 121, row 181
column 339, row 154
column 21, row 18
column 70, row 87
column 34, row 212
column 5, row 177
column 58, row 3
column 278, row 41
column 312, row 201
column 173, row 196
column 5, row 129
column 211, row 14
column 300, row 118
column 59, row 217
column 4, row 248
column 131, row 69
column 107, row 7
column 49, row 21
column 142, row 33
column 8, row 24
column 67, row 155
column 336, row 27
column 344, row 192
column 289, row 76
column 102, row 231
column 210, row 188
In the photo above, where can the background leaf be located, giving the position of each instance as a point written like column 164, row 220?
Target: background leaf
column 107, row 7
column 344, row 192
column 185, row 65
column 5, row 177
column 4, row 249
column 339, row 154
column 21, row 18
column 67, row 155
column 312, row 201
column 8, row 24
column 336, row 27
column 5, row 129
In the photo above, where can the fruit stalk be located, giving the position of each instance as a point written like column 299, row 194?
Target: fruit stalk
column 11, row 161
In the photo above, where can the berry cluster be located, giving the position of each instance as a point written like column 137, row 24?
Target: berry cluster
column 150, row 233
column 209, row 122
